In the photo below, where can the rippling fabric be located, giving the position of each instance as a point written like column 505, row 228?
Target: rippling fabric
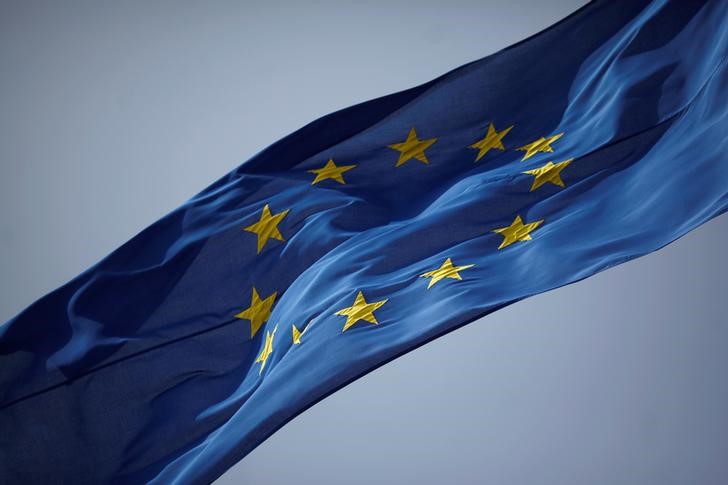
column 139, row 370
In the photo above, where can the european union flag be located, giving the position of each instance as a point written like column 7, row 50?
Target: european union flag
column 365, row 234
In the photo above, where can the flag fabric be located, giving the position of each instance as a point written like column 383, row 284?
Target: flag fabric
column 366, row 234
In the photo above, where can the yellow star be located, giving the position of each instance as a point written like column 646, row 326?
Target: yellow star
column 551, row 172
column 330, row 171
column 412, row 147
column 267, row 349
column 447, row 270
column 360, row 310
column 296, row 335
column 493, row 140
column 258, row 312
column 267, row 227
column 518, row 231
column 540, row 145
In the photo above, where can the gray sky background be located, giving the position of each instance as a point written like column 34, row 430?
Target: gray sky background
column 114, row 113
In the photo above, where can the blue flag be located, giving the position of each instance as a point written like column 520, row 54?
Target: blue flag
column 365, row 234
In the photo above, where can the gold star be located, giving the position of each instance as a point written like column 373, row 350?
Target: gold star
column 518, row 231
column 412, row 147
column 540, row 145
column 551, row 172
column 360, row 310
column 296, row 335
column 330, row 171
column 267, row 349
column 258, row 312
column 267, row 227
column 493, row 140
column 447, row 270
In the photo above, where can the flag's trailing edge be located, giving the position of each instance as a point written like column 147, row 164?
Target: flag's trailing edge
column 366, row 234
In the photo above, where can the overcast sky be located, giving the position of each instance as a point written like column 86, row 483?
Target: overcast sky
column 114, row 113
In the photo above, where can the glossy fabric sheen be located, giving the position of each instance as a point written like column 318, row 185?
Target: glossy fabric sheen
column 138, row 371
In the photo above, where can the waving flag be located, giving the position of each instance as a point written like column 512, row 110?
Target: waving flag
column 365, row 234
